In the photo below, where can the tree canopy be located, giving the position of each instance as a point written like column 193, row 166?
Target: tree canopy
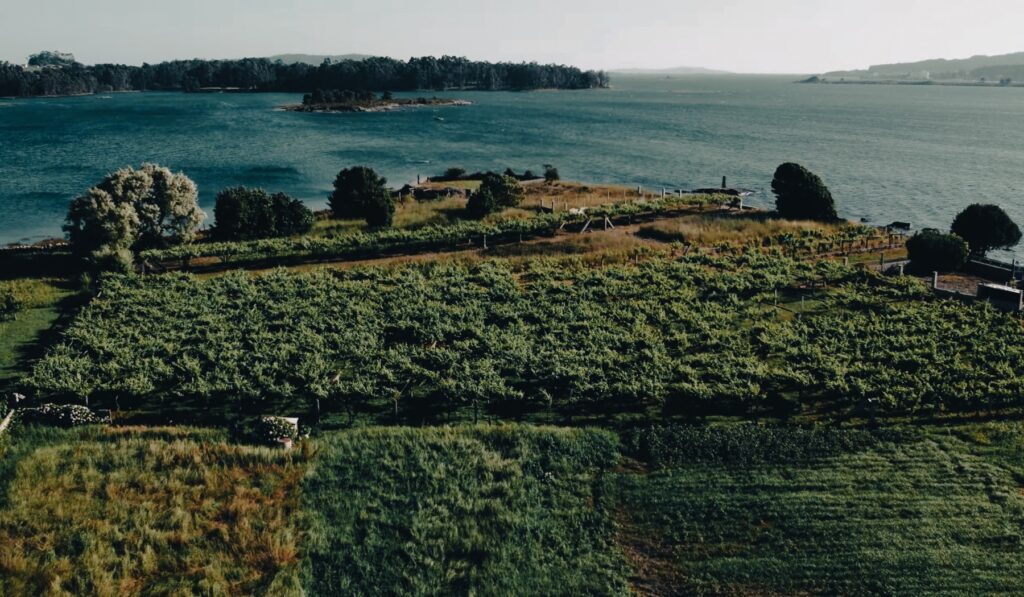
column 506, row 190
column 360, row 193
column 246, row 214
column 133, row 210
column 931, row 250
column 261, row 74
column 985, row 228
column 481, row 204
column 801, row 194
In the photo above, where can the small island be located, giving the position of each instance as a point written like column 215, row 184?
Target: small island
column 365, row 101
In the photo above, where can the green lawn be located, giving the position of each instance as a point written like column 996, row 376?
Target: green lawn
column 923, row 515
column 41, row 300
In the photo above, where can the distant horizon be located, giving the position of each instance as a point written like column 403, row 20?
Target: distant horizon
column 620, row 69
column 679, row 70
column 742, row 36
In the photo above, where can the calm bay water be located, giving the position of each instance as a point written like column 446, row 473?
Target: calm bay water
column 912, row 153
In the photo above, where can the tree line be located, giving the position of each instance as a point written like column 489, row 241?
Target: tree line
column 262, row 74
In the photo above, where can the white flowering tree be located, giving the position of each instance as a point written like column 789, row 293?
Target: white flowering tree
column 132, row 210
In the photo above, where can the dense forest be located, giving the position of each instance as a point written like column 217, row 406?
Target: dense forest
column 261, row 74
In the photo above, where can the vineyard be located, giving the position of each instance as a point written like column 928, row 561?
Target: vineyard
column 691, row 337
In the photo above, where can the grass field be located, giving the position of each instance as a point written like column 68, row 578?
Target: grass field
column 40, row 309
column 146, row 511
column 928, row 514
column 461, row 511
column 515, row 509
column 712, row 229
column 559, row 196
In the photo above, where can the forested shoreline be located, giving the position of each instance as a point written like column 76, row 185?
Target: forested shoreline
column 262, row 74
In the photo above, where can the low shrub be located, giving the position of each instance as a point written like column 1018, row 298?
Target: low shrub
column 9, row 305
column 60, row 415
column 266, row 430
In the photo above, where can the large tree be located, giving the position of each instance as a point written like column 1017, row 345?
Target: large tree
column 481, row 203
column 985, row 228
column 242, row 213
column 801, row 195
column 931, row 250
column 506, row 190
column 131, row 210
column 360, row 193
column 291, row 216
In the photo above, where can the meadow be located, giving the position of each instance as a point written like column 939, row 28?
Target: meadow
column 505, row 509
column 146, row 511
column 489, row 510
column 921, row 513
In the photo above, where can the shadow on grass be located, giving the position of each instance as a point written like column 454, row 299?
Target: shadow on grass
column 28, row 351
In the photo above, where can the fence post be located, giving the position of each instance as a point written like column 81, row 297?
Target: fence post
column 935, row 280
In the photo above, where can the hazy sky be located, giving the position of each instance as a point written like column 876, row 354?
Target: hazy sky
column 793, row 36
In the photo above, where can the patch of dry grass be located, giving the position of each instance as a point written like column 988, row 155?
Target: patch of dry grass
column 132, row 512
column 720, row 228
column 570, row 195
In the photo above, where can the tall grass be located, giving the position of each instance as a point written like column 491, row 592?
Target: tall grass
column 504, row 510
column 714, row 229
column 131, row 512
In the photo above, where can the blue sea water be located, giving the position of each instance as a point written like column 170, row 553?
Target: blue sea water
column 915, row 153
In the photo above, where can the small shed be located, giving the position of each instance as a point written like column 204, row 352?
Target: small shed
column 1002, row 297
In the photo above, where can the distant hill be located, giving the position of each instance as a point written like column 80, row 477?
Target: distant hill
column 975, row 67
column 678, row 70
column 316, row 59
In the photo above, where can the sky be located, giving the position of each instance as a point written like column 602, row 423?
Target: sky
column 750, row 36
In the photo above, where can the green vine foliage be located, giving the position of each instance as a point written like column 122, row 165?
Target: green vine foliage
column 688, row 336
